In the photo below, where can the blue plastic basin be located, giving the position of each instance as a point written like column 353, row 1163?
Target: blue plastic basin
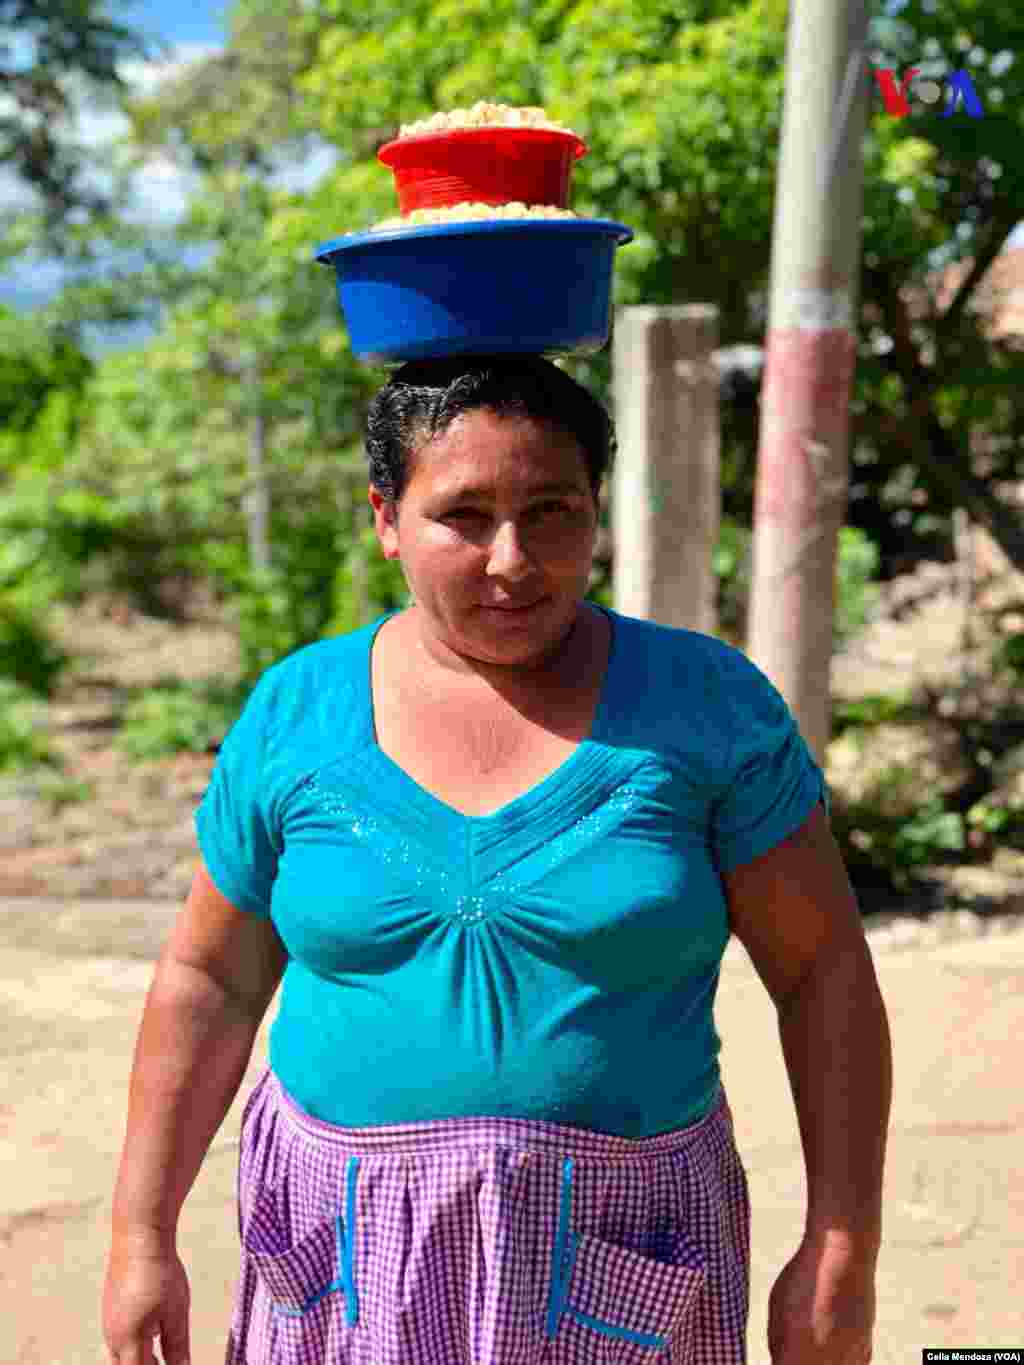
column 529, row 285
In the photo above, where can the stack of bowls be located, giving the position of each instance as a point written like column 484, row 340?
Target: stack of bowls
column 536, row 285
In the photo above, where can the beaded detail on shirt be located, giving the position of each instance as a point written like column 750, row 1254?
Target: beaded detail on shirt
column 434, row 880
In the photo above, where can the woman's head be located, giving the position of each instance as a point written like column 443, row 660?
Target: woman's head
column 423, row 398
column 484, row 480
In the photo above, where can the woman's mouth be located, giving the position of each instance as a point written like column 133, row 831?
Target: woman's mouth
column 514, row 611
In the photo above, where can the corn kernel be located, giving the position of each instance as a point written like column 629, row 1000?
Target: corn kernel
column 472, row 212
column 483, row 114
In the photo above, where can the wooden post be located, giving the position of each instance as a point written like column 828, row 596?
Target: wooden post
column 666, row 495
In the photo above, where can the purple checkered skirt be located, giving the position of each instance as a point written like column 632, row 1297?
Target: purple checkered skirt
column 487, row 1241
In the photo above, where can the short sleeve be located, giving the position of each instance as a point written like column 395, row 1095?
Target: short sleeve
column 771, row 782
column 232, row 823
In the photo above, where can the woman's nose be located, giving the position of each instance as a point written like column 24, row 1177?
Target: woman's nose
column 507, row 549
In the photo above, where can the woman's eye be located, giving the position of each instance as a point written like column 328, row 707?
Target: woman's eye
column 538, row 507
column 539, row 512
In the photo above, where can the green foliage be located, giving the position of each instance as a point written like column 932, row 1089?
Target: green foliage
column 33, row 576
column 275, row 617
column 240, row 104
column 873, row 710
column 932, row 830
column 174, row 716
column 59, row 791
column 31, row 659
column 1010, row 655
column 43, row 375
column 143, row 468
column 383, row 586
column 897, row 846
column 69, row 44
column 23, row 745
column 856, row 583
column 731, row 563
column 1004, row 821
column 681, row 108
column 59, row 538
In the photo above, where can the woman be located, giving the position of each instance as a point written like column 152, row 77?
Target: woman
column 495, row 845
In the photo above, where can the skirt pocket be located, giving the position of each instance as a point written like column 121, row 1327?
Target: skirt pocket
column 299, row 1277
column 623, row 1307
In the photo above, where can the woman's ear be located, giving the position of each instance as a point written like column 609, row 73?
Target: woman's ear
column 385, row 517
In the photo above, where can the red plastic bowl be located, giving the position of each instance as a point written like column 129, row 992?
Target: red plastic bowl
column 483, row 166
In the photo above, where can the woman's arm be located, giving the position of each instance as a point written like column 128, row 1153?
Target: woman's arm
column 192, row 1052
column 835, row 1040
column 795, row 912
column 215, row 979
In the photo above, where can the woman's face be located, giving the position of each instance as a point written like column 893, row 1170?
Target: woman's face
column 497, row 512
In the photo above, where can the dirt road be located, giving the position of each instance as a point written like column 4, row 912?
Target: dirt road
column 73, row 979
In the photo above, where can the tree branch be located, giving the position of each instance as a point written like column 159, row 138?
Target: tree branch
column 993, row 241
column 935, row 450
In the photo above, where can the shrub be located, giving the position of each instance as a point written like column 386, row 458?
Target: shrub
column 23, row 743
column 176, row 716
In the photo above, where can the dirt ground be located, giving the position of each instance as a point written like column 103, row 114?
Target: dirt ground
column 73, row 981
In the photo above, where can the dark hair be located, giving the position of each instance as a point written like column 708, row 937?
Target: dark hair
column 424, row 397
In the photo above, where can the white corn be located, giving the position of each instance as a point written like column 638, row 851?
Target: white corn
column 471, row 212
column 483, row 115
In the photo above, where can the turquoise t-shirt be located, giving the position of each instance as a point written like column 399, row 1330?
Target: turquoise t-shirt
column 557, row 959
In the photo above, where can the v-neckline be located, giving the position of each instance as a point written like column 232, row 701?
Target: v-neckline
column 579, row 762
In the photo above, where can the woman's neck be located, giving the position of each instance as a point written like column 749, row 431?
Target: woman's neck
column 561, row 667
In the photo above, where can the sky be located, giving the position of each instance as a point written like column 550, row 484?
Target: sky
column 187, row 30
column 193, row 28
column 180, row 21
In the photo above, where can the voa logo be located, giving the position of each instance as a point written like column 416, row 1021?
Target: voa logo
column 956, row 91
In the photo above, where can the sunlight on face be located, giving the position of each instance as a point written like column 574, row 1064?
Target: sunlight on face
column 498, row 510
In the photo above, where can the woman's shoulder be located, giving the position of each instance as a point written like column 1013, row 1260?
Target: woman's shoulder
column 334, row 656
column 675, row 650
column 313, row 691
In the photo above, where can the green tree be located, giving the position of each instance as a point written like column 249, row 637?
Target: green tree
column 43, row 375
column 679, row 104
column 43, row 379
column 939, row 409
column 240, row 107
column 248, row 356
column 51, row 51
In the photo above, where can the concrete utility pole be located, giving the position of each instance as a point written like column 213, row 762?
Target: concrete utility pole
column 803, row 462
